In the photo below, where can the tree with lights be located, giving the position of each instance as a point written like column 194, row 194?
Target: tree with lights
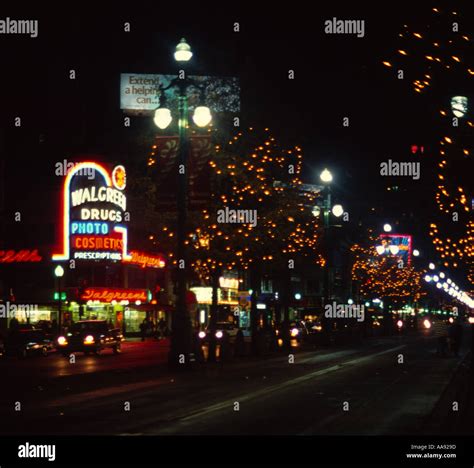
column 257, row 219
column 438, row 59
column 384, row 276
column 253, row 174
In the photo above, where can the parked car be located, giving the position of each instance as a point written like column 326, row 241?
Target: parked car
column 28, row 342
column 90, row 336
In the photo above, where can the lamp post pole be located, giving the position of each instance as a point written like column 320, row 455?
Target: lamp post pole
column 181, row 325
column 326, row 281
column 326, row 178
column 59, row 273
column 181, row 336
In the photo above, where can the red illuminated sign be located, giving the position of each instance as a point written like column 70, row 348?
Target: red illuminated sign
column 114, row 294
column 20, row 256
column 146, row 260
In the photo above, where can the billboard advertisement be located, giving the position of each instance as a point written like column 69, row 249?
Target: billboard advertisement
column 140, row 93
column 399, row 245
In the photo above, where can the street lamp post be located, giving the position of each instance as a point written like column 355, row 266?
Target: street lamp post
column 59, row 273
column 181, row 336
column 337, row 210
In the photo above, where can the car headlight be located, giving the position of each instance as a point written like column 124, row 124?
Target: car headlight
column 427, row 324
column 202, row 334
column 62, row 341
column 89, row 339
column 294, row 332
column 219, row 335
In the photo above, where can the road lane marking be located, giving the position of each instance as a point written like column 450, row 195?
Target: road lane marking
column 284, row 385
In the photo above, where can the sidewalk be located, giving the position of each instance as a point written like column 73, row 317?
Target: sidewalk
column 459, row 393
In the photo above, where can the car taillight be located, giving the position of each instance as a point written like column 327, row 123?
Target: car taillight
column 62, row 341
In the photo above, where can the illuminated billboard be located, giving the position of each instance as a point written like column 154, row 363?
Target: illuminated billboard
column 93, row 214
column 399, row 245
column 140, row 93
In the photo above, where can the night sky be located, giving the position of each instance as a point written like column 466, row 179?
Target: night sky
column 335, row 76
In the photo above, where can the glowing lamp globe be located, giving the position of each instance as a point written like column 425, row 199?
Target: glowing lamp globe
column 162, row 117
column 337, row 210
column 394, row 249
column 202, row 116
column 183, row 51
column 459, row 106
column 326, row 176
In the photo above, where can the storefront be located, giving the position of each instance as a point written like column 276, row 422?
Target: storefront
column 231, row 304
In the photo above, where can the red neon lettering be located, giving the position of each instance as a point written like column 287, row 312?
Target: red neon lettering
column 20, row 256
column 109, row 295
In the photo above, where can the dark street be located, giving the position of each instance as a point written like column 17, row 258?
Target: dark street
column 267, row 396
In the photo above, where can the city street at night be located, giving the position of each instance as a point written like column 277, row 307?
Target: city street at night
column 237, row 234
column 274, row 397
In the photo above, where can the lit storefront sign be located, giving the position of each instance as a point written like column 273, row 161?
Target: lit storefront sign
column 20, row 256
column 93, row 211
column 230, row 283
column 146, row 260
column 115, row 294
column 204, row 295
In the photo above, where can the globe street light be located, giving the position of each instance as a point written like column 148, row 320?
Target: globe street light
column 326, row 176
column 459, row 106
column 337, row 210
column 162, row 117
column 59, row 273
column 183, row 51
column 202, row 116
column 387, row 227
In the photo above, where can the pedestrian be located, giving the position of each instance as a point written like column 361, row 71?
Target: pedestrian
column 161, row 328
column 143, row 328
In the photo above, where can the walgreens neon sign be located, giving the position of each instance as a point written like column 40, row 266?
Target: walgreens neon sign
column 93, row 206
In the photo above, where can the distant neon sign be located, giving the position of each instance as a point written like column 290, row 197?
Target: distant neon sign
column 146, row 260
column 20, row 256
column 93, row 209
column 114, row 294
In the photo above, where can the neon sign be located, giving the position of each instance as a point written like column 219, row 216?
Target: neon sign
column 146, row 260
column 114, row 294
column 92, row 209
column 20, row 256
